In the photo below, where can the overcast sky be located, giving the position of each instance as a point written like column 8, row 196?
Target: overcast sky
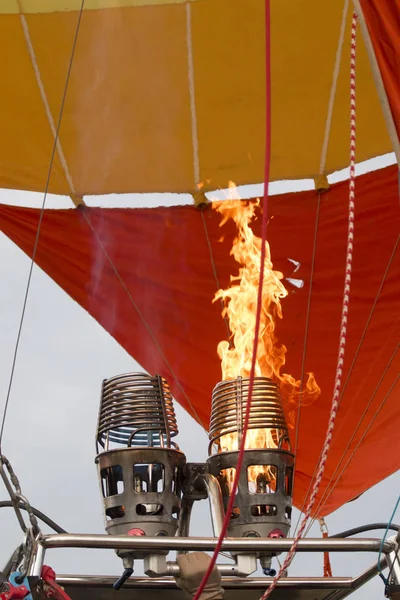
column 49, row 437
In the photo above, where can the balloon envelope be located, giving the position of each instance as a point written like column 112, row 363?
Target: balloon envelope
column 163, row 96
column 155, row 298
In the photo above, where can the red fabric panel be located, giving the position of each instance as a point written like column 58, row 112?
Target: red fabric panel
column 383, row 22
column 163, row 258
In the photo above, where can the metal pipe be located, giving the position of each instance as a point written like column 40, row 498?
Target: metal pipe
column 224, row 570
column 369, row 573
column 37, row 560
column 255, row 583
column 126, row 542
column 394, row 566
column 215, row 499
column 184, row 518
column 295, row 583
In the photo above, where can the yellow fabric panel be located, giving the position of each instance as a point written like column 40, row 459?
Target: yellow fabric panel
column 230, row 91
column 26, row 141
column 49, row 6
column 127, row 123
column 229, row 74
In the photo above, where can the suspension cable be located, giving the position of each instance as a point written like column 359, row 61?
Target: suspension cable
column 214, row 270
column 85, row 213
column 345, row 309
column 324, row 498
column 306, row 329
column 366, row 327
column 332, row 484
column 41, row 215
column 264, row 223
column 327, row 133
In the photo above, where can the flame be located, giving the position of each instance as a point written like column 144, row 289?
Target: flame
column 262, row 479
column 240, row 305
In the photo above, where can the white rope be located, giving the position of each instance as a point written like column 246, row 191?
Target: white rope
column 343, row 328
column 193, row 115
column 335, row 77
column 46, row 105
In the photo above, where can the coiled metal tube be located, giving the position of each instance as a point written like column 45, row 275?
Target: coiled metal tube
column 136, row 409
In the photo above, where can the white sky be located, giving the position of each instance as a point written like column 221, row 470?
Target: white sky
column 49, row 436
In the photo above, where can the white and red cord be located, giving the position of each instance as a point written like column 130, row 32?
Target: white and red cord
column 345, row 310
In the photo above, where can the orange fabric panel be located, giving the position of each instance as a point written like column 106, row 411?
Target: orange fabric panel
column 383, row 22
column 163, row 257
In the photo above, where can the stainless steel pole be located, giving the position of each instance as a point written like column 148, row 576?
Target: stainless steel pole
column 123, row 542
column 215, row 499
column 38, row 560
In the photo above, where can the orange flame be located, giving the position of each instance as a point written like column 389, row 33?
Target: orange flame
column 240, row 305
column 241, row 300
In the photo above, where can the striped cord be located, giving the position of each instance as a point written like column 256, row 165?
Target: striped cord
column 345, row 310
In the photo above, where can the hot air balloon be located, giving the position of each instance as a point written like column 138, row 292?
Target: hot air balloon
column 116, row 97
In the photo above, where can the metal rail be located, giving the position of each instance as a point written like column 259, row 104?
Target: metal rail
column 305, row 588
column 237, row 587
column 215, row 499
column 173, row 570
column 248, row 545
column 249, row 582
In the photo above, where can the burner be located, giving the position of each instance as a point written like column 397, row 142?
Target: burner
column 263, row 502
column 140, row 467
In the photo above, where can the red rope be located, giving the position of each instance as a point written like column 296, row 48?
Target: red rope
column 327, row 560
column 345, row 309
column 259, row 301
